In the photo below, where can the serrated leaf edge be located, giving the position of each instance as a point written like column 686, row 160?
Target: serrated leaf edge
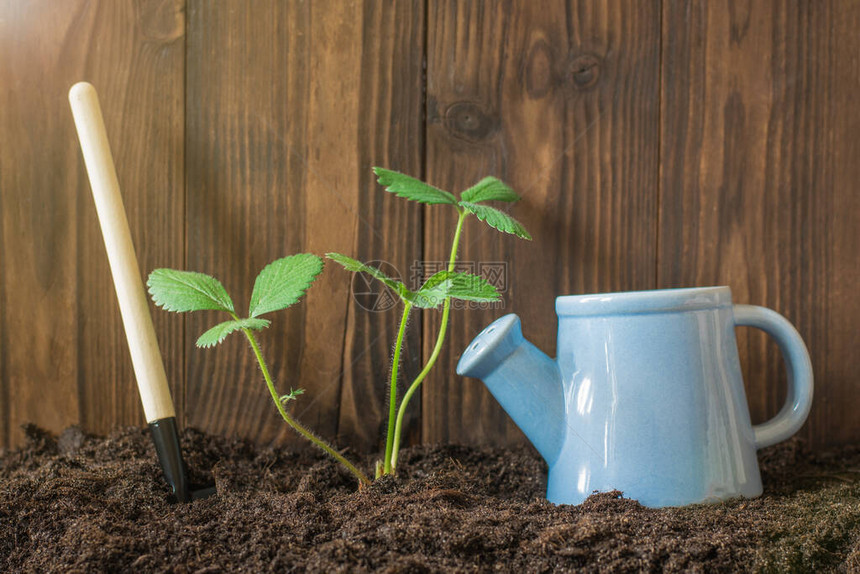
column 253, row 312
column 472, row 295
column 523, row 233
column 467, row 193
column 397, row 286
column 167, row 307
column 252, row 323
column 446, row 196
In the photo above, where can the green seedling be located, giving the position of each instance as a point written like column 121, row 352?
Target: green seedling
column 441, row 287
column 278, row 286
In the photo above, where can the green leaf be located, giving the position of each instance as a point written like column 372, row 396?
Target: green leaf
column 455, row 285
column 356, row 266
column 283, row 282
column 293, row 395
column 408, row 187
column 497, row 219
column 489, row 189
column 188, row 291
column 469, row 287
column 434, row 291
column 220, row 331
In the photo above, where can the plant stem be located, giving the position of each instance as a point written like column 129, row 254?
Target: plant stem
column 362, row 479
column 391, row 458
column 392, row 393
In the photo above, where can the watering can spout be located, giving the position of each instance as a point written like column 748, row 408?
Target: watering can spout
column 525, row 381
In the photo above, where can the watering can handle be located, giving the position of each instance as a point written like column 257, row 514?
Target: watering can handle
column 799, row 397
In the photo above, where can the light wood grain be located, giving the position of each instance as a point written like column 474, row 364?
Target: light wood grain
column 131, row 296
column 757, row 192
column 65, row 358
column 560, row 100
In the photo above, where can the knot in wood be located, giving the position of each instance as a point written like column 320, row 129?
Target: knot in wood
column 163, row 21
column 585, row 71
column 469, row 121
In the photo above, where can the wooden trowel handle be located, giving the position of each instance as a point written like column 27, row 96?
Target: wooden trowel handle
column 133, row 304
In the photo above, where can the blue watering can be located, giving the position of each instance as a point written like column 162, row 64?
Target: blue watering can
column 645, row 396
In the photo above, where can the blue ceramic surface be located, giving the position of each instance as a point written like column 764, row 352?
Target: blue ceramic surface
column 645, row 396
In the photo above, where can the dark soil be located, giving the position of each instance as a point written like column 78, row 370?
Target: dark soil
column 81, row 504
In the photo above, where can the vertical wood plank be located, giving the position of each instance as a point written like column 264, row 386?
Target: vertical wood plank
column 757, row 185
column 390, row 121
column 561, row 100
column 289, row 106
column 247, row 67
column 64, row 355
column 834, row 348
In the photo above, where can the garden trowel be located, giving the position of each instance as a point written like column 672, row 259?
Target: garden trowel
column 134, row 308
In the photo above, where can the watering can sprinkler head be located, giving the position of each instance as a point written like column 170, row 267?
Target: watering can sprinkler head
column 525, row 381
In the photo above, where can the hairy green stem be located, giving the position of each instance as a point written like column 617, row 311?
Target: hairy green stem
column 362, row 479
column 392, row 393
column 391, row 458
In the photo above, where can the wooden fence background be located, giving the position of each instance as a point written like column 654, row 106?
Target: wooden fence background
column 656, row 144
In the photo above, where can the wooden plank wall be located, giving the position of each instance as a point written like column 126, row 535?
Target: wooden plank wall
column 565, row 100
column 289, row 103
column 656, row 144
column 759, row 167
column 63, row 355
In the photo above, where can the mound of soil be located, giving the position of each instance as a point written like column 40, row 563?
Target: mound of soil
column 77, row 503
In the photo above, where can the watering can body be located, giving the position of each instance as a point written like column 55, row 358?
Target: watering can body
column 645, row 395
